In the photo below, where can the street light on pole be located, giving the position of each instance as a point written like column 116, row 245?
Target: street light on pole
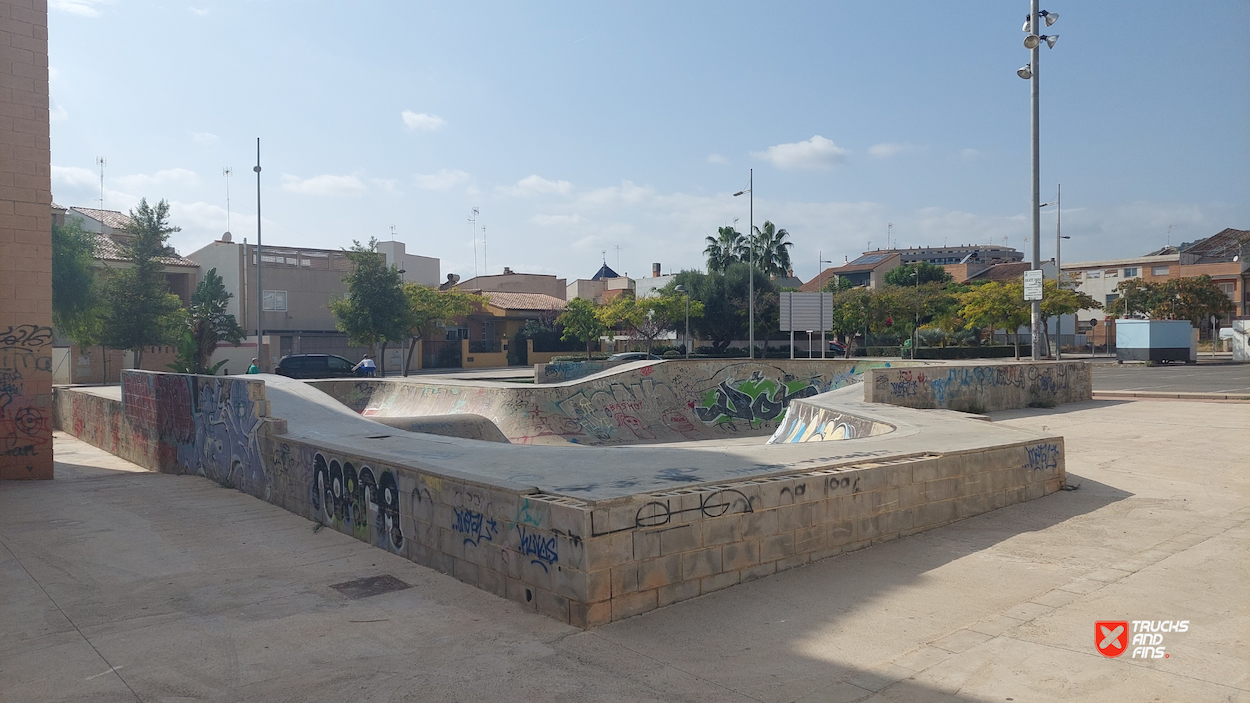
column 750, row 191
column 1058, row 203
column 682, row 289
column 1030, row 72
column 820, row 290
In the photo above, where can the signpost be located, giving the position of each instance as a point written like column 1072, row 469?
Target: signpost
column 1033, row 285
column 806, row 311
column 1093, row 325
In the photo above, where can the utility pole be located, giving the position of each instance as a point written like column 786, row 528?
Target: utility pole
column 227, row 171
column 260, row 290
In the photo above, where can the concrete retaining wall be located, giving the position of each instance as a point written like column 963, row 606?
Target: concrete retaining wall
column 563, row 371
column 981, row 387
column 667, row 401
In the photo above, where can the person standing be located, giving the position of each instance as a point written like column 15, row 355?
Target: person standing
column 255, row 367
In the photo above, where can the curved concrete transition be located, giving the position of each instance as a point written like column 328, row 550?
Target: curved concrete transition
column 825, row 418
column 636, row 403
column 466, row 426
column 585, row 534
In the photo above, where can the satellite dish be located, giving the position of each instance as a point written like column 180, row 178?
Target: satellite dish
column 227, row 237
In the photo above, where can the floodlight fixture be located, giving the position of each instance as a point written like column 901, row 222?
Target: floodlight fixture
column 1050, row 40
column 1025, row 71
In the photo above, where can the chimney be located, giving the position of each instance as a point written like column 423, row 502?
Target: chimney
column 655, row 270
column 507, row 271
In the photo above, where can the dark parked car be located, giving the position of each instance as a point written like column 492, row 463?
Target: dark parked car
column 635, row 356
column 837, row 348
column 315, row 366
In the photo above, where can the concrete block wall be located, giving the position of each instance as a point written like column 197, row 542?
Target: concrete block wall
column 981, row 387
column 25, row 243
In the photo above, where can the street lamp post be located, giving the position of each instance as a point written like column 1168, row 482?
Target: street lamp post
column 820, row 291
column 682, row 290
column 260, row 290
column 1030, row 72
column 750, row 191
column 1058, row 265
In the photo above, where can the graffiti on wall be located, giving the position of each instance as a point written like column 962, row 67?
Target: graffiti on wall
column 804, row 422
column 941, row 387
column 1042, row 457
column 357, row 500
column 755, row 400
column 474, row 526
column 539, row 547
column 24, row 426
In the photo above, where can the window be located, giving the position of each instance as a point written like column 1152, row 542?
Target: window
column 1112, row 297
column 337, row 364
column 1111, row 273
column 1230, row 289
column 1159, row 270
column 1130, row 272
column 275, row 300
column 1093, row 274
column 455, row 334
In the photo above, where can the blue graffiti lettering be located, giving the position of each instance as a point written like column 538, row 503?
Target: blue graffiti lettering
column 543, row 549
column 475, row 525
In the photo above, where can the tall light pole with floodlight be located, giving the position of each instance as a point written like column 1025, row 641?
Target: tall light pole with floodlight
column 820, row 290
column 1029, row 72
column 750, row 191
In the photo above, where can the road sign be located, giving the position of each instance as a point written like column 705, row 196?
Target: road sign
column 1033, row 285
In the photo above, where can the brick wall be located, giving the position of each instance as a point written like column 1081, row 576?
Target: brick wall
column 25, row 243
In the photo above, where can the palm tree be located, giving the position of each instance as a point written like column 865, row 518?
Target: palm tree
column 772, row 251
column 728, row 248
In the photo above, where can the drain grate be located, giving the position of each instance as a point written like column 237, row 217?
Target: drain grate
column 370, row 586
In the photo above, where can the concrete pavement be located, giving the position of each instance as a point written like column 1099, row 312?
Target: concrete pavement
column 119, row 584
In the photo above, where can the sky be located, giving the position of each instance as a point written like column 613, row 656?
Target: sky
column 618, row 132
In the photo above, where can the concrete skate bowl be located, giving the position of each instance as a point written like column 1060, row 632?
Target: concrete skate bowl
column 638, row 403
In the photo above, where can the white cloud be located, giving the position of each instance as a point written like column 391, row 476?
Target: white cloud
column 555, row 220
column 386, row 185
column 969, row 154
column 625, row 194
column 198, row 12
column 537, row 185
column 74, row 176
column 324, row 185
column 82, row 8
column 888, row 149
column 442, row 180
column 204, row 136
column 57, row 113
column 165, row 178
column 717, row 159
column 422, row 121
column 816, row 152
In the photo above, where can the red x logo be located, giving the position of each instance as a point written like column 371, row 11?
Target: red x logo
column 1111, row 637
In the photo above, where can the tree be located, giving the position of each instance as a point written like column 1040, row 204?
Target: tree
column 649, row 318
column 1194, row 299
column 727, row 248
column 207, row 324
column 997, row 304
column 581, row 321
column 850, row 314
column 76, row 309
column 905, row 275
column 375, row 310
column 429, row 308
column 139, row 309
column 1062, row 301
column 772, row 251
column 724, row 296
column 837, row 284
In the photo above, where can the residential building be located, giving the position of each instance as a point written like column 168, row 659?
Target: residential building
column 601, row 288
column 512, row 282
column 867, row 271
column 649, row 287
column 414, row 268
column 1221, row 256
column 962, row 254
column 998, row 272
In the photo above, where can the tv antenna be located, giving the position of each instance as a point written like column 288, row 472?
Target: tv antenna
column 225, row 172
column 473, row 231
column 485, row 268
column 618, row 257
column 101, row 162
column 392, row 233
column 889, row 229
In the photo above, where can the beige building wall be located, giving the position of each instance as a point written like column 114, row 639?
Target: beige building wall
column 25, row 243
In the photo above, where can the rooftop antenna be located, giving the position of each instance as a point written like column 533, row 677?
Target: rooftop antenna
column 889, row 229
column 473, row 231
column 1169, row 226
column 618, row 256
column 485, row 268
column 226, row 172
column 101, row 162
column 392, row 233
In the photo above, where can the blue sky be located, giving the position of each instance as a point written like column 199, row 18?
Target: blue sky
column 580, row 127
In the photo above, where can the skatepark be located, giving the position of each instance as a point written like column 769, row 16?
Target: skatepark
column 597, row 499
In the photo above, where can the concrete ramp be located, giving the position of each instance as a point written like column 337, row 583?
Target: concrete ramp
column 466, row 426
column 826, row 417
column 636, row 403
